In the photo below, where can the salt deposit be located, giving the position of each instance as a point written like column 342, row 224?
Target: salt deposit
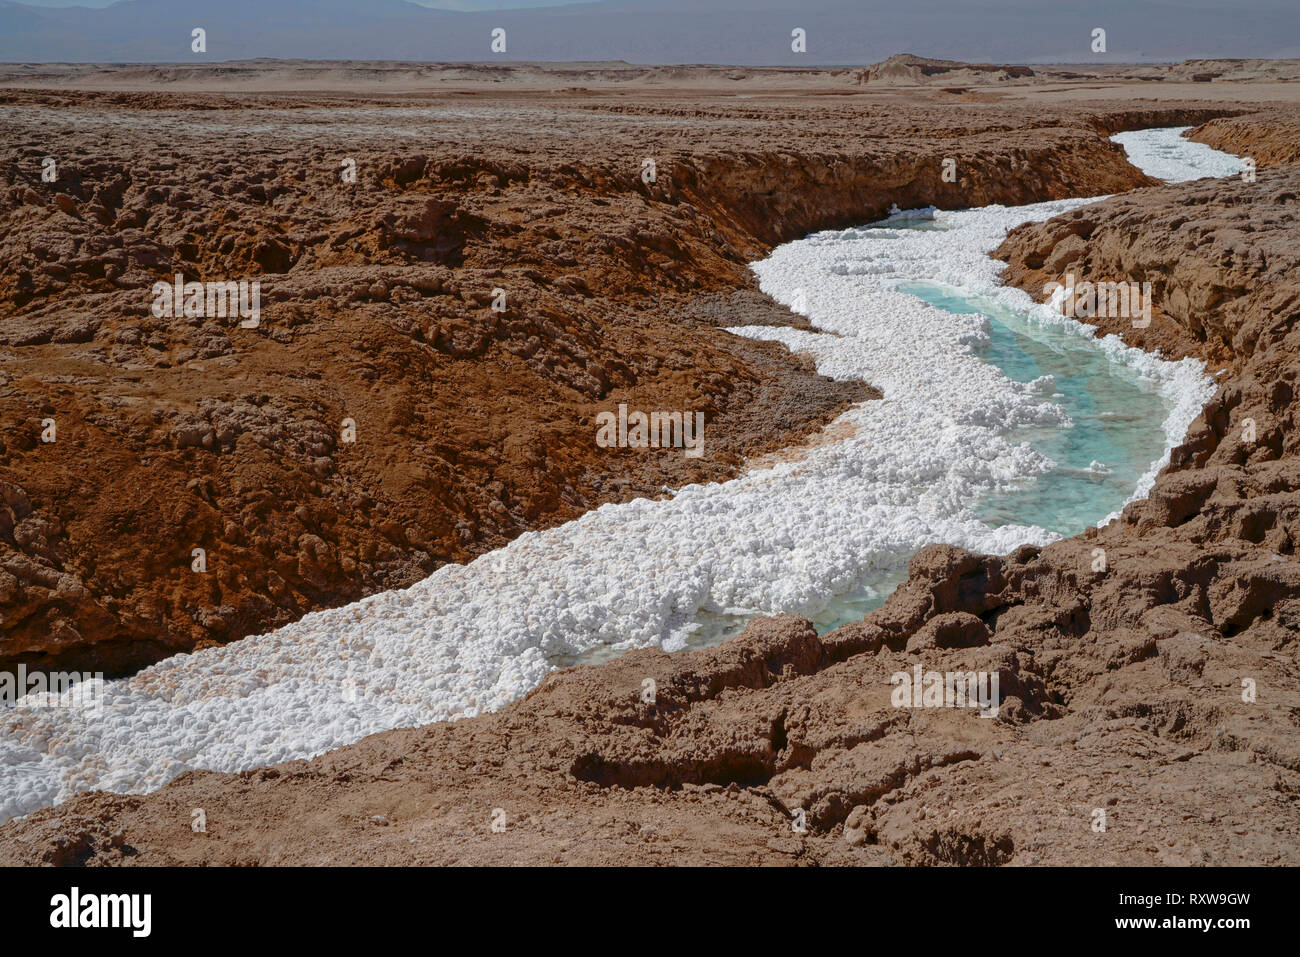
column 1165, row 154
column 471, row 638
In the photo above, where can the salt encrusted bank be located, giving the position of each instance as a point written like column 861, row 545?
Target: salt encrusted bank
column 473, row 637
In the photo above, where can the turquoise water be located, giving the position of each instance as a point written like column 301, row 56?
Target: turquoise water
column 1117, row 422
column 1118, row 418
column 840, row 610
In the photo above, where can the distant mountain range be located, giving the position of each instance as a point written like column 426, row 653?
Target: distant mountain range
column 646, row 31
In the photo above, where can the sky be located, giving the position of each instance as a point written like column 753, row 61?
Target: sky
column 741, row 32
column 464, row 5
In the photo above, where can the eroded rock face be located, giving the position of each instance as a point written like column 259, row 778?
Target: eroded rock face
column 1268, row 144
column 1216, row 255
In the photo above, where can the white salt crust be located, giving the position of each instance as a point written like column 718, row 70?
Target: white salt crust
column 1165, row 154
column 471, row 638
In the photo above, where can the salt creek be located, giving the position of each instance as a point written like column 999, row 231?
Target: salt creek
column 1002, row 423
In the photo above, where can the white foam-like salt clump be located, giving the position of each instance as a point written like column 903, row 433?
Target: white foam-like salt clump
column 471, row 638
column 1165, row 154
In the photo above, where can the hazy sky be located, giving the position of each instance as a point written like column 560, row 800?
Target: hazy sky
column 842, row 32
column 468, row 5
column 438, row 5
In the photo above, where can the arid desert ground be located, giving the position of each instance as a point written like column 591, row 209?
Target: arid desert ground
column 1121, row 685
